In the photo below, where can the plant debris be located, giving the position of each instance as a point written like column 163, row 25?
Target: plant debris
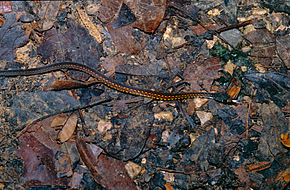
column 65, row 130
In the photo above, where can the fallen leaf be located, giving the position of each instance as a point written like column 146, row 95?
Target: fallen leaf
column 46, row 11
column 104, row 126
column 5, row 7
column 89, row 24
column 109, row 9
column 242, row 175
column 202, row 73
column 11, row 31
column 133, row 169
column 124, row 40
column 284, row 177
column 68, row 129
column 285, row 139
column 204, row 116
column 263, row 45
column 125, row 17
column 167, row 116
column 148, row 14
column 259, row 166
column 77, row 45
column 107, row 171
column 110, row 64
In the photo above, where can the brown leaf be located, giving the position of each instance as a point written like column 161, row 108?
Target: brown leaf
column 89, row 24
column 68, row 129
column 5, row 7
column 108, row 172
column 263, row 45
column 38, row 147
column 69, row 84
column 76, row 45
column 259, row 166
column 242, row 175
column 109, row 9
column 202, row 73
column 47, row 12
column 285, row 140
column 124, row 39
column 148, row 14
column 283, row 48
column 284, row 177
column 38, row 162
column 110, row 64
column 11, row 31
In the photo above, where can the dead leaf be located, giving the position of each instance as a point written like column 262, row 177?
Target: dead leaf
column 5, row 7
column 284, row 177
column 202, row 73
column 242, row 175
column 59, row 120
column 68, row 129
column 38, row 162
column 70, row 84
column 11, row 31
column 133, row 169
column 148, row 14
column 204, row 116
column 76, row 45
column 125, row 17
column 263, row 45
column 283, row 48
column 104, row 126
column 109, row 9
column 47, row 12
column 124, row 40
column 285, row 140
column 259, row 166
column 108, row 172
column 89, row 24
column 164, row 115
column 110, row 63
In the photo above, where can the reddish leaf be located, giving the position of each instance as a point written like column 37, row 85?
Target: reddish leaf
column 107, row 171
column 148, row 14
column 38, row 162
column 263, row 45
column 5, row 7
column 242, row 175
column 124, row 39
column 259, row 166
column 202, row 73
column 109, row 9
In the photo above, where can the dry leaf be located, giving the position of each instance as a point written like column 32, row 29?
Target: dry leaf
column 68, row 129
column 285, row 140
column 168, row 116
column 204, row 116
column 259, row 166
column 89, row 24
column 5, row 7
column 284, row 177
column 104, row 126
column 132, row 169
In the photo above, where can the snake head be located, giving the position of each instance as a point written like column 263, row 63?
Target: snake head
column 222, row 97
